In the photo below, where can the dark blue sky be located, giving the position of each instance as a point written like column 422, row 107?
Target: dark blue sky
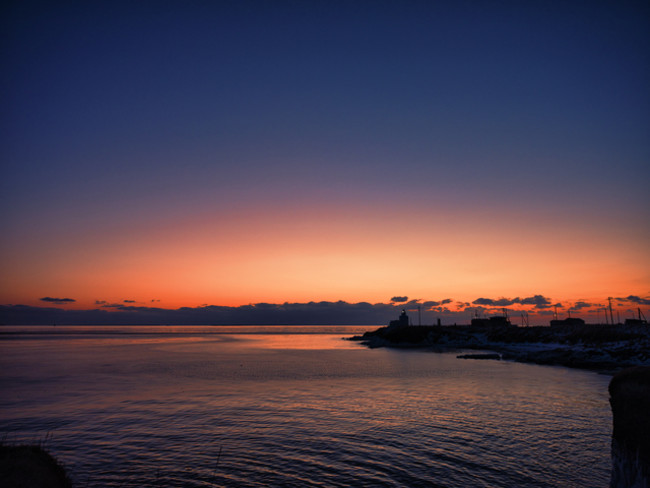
column 503, row 89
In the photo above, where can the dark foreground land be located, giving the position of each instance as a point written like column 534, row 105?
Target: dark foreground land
column 629, row 398
column 604, row 348
column 30, row 467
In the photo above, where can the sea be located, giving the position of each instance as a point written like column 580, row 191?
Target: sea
column 294, row 406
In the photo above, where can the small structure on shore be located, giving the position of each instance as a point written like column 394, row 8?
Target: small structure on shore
column 568, row 321
column 403, row 321
column 494, row 321
column 640, row 321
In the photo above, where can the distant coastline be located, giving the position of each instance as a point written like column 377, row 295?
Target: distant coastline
column 602, row 348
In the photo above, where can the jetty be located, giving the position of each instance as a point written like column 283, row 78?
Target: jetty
column 605, row 348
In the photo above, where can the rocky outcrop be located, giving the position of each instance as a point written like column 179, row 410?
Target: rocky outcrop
column 602, row 348
column 479, row 356
column 629, row 394
column 30, row 466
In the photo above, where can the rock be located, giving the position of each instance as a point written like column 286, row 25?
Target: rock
column 603, row 348
column 479, row 356
column 630, row 401
column 30, row 467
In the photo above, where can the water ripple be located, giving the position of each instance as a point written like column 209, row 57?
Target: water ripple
column 145, row 414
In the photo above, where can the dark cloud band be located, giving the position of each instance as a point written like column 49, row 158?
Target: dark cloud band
column 399, row 299
column 538, row 301
column 58, row 300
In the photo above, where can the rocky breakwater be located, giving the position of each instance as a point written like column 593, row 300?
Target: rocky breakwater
column 437, row 337
column 629, row 393
column 604, row 348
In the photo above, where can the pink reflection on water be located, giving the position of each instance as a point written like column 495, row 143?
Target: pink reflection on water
column 298, row 341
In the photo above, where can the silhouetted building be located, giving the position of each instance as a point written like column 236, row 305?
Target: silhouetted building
column 636, row 322
column 568, row 321
column 640, row 321
column 403, row 321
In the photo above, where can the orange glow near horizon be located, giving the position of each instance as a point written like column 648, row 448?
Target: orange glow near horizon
column 288, row 255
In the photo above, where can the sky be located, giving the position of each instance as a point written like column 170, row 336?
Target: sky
column 222, row 156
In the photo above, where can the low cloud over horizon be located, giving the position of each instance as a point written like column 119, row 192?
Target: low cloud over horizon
column 635, row 299
column 538, row 301
column 310, row 313
column 58, row 301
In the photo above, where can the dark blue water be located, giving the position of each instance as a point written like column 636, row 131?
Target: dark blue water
column 212, row 406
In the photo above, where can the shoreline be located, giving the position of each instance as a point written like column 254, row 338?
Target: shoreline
column 604, row 349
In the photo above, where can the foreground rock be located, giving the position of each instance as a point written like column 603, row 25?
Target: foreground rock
column 605, row 348
column 479, row 356
column 630, row 400
column 30, row 467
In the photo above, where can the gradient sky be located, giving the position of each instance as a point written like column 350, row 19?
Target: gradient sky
column 227, row 153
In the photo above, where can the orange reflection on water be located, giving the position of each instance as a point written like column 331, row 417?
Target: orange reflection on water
column 298, row 341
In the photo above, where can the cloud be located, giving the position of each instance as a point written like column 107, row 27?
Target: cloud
column 579, row 305
column 500, row 302
column 538, row 301
column 58, row 301
column 129, row 301
column 474, row 310
column 311, row 313
column 431, row 304
column 548, row 313
column 399, row 299
column 636, row 299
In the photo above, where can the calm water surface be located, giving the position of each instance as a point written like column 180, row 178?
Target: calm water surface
column 294, row 406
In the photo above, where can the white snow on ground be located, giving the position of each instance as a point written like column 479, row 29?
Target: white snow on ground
column 585, row 347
